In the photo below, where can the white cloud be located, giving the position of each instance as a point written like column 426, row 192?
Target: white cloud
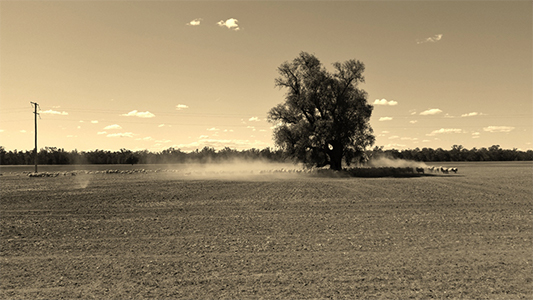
column 385, row 119
column 251, row 127
column 71, row 136
column 384, row 102
column 498, row 128
column 213, row 129
column 393, row 146
column 393, row 137
column 139, row 114
column 413, row 121
column 445, row 130
column 120, row 134
column 433, row 111
column 23, row 131
column 255, row 119
column 1, row 130
column 94, row 121
column 53, row 112
column 162, row 125
column 102, row 132
column 181, row 106
column 472, row 114
column 229, row 23
column 203, row 137
column 195, row 22
column 114, row 126
column 431, row 39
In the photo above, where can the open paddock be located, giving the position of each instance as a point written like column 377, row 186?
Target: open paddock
column 167, row 235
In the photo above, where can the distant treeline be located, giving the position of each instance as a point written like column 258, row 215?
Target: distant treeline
column 53, row 155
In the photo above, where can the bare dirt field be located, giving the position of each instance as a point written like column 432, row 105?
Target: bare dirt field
column 167, row 235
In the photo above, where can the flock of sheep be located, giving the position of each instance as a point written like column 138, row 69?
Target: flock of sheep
column 437, row 170
column 421, row 170
column 74, row 173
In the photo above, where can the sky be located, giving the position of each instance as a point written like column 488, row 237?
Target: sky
column 186, row 74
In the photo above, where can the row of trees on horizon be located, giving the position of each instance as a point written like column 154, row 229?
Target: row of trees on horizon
column 58, row 156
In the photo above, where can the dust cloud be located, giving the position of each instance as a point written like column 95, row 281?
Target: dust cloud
column 245, row 170
column 382, row 161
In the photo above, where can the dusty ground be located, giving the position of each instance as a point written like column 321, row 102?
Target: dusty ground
column 162, row 235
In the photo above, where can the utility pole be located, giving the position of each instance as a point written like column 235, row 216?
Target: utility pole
column 35, row 137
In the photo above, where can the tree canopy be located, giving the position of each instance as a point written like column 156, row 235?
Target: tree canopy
column 325, row 117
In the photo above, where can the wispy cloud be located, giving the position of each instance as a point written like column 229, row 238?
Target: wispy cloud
column 181, row 106
column 101, row 132
column 385, row 119
column 195, row 22
column 139, row 114
column 213, row 129
column 433, row 111
column 498, row 128
column 413, row 121
column 445, row 130
column 255, row 119
column 230, row 23
column 54, row 112
column 472, row 114
column 94, row 121
column 384, row 102
column 393, row 137
column 114, row 126
column 23, row 131
column 161, row 125
column 431, row 39
column 393, row 146
column 121, row 134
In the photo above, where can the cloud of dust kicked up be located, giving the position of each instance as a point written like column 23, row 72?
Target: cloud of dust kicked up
column 382, row 161
column 245, row 170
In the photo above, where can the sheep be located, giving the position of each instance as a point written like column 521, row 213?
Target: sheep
column 420, row 170
column 444, row 170
column 454, row 170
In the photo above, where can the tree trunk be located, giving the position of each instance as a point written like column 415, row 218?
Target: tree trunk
column 336, row 155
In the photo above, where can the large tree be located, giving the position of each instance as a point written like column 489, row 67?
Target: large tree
column 325, row 117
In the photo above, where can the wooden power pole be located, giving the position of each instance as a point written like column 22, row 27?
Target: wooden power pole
column 35, row 138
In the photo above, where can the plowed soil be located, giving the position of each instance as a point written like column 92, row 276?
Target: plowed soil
column 465, row 235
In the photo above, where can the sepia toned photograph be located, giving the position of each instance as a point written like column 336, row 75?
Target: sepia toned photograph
column 267, row 149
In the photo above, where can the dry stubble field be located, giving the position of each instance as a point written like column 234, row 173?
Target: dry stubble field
column 162, row 235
